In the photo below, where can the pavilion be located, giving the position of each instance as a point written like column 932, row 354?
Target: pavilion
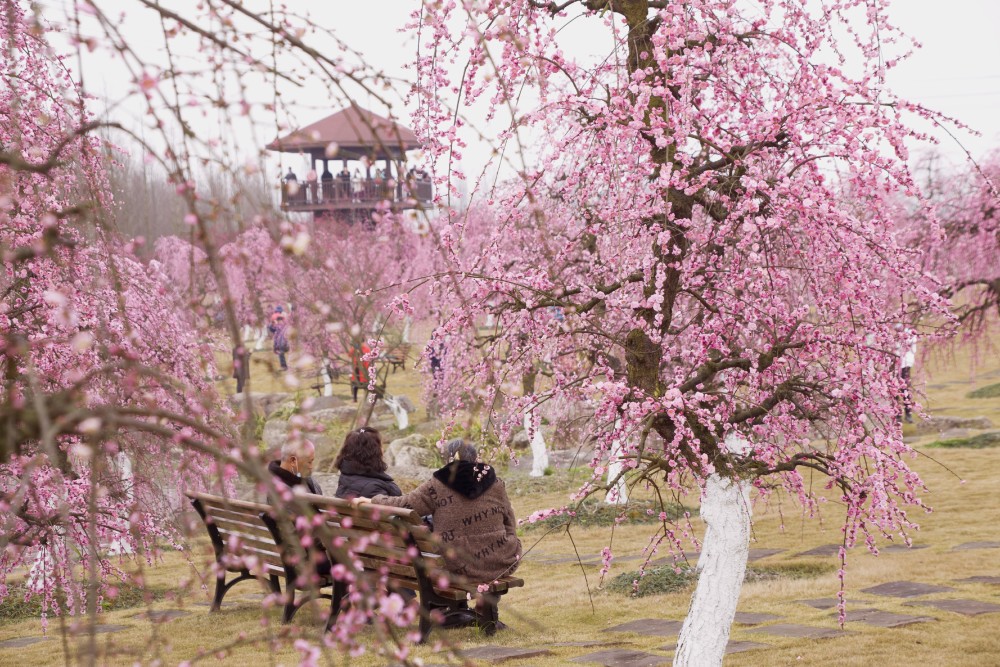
column 372, row 152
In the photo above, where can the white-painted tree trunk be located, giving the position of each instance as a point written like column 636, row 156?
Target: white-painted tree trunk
column 327, row 382
column 119, row 545
column 398, row 411
column 407, row 323
column 539, row 454
column 617, row 494
column 725, row 509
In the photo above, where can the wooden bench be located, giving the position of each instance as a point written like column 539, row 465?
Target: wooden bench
column 397, row 356
column 252, row 530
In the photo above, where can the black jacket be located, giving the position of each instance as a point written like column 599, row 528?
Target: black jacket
column 358, row 481
column 291, row 479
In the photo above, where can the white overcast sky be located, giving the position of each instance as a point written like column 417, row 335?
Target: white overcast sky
column 957, row 72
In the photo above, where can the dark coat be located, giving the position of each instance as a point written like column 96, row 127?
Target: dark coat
column 356, row 480
column 290, row 479
column 472, row 516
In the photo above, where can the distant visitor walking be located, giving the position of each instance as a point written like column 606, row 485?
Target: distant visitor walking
column 279, row 329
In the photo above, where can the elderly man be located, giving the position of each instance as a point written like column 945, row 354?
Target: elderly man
column 296, row 465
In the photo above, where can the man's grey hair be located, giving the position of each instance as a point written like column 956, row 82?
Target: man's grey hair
column 296, row 447
column 460, row 450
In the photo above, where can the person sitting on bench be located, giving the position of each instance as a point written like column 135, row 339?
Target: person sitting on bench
column 295, row 470
column 471, row 513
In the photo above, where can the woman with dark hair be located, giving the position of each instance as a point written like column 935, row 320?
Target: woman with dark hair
column 362, row 468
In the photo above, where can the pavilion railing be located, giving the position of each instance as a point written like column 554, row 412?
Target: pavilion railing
column 312, row 194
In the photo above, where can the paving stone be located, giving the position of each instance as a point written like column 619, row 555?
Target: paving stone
column 501, row 653
column 966, row 607
column 581, row 644
column 21, row 642
column 821, row 603
column 824, row 550
column 99, row 629
column 895, row 548
column 731, row 647
column 621, row 657
column 162, row 615
column 905, row 589
column 757, row 554
column 653, row 627
column 979, row 580
column 794, row 630
column 752, row 618
column 739, row 647
column 883, row 619
column 976, row 545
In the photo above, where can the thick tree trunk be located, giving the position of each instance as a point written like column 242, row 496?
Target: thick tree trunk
column 725, row 508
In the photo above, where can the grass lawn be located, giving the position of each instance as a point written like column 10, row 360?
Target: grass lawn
column 561, row 601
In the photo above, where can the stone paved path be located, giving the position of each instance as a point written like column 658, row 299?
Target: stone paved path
column 905, row 589
column 965, row 607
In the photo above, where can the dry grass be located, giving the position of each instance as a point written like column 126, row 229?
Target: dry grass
column 555, row 605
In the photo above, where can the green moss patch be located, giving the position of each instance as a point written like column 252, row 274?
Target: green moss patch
column 667, row 579
column 981, row 441
column 15, row 608
column 989, row 391
column 595, row 513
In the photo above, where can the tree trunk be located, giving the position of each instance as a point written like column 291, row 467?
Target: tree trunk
column 539, row 456
column 725, row 508
column 618, row 494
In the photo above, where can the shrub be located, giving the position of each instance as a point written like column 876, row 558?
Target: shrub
column 667, row 579
column 14, row 607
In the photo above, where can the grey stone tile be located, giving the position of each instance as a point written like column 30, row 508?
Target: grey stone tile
column 653, row 627
column 823, row 550
column 757, row 554
column 621, row 657
column 968, row 546
column 502, row 653
column 821, row 603
column 21, row 642
column 101, row 628
column 162, row 615
column 739, row 647
column 966, row 607
column 795, row 630
column 979, row 580
column 897, row 548
column 884, row 619
column 752, row 618
column 905, row 589
column 731, row 647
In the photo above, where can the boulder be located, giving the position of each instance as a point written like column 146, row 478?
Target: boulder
column 415, row 457
column 275, row 432
column 520, row 440
column 417, row 474
column 941, row 423
column 412, row 444
column 320, row 403
column 343, row 413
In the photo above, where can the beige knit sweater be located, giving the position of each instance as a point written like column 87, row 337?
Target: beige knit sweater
column 472, row 516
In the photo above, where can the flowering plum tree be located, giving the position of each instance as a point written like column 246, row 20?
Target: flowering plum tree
column 728, row 312
column 103, row 378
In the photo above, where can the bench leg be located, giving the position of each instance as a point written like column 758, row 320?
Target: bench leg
column 220, row 591
column 290, row 608
column 336, row 602
column 275, row 584
column 488, row 614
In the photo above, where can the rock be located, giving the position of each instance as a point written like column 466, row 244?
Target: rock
column 415, row 473
column 954, row 433
column 406, row 404
column 431, row 428
column 415, row 457
column 941, row 423
column 343, row 413
column 275, row 432
column 327, row 481
column 521, row 440
column 384, row 423
column 319, row 403
column 414, row 441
